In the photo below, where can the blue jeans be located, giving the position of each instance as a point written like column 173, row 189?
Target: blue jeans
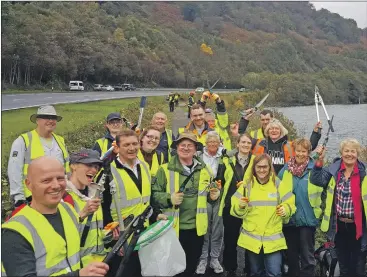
column 265, row 264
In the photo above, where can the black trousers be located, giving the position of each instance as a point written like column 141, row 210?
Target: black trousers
column 171, row 106
column 300, row 252
column 232, row 227
column 192, row 244
column 188, row 113
column 350, row 257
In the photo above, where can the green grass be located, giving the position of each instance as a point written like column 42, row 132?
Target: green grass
column 75, row 116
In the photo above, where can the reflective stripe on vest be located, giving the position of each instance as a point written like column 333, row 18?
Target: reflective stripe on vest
column 22, row 222
column 169, row 142
column 173, row 185
column 33, row 151
column 155, row 163
column 263, row 238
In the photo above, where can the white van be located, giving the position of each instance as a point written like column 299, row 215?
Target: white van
column 76, row 85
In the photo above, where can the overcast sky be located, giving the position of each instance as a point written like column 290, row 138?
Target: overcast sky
column 354, row 10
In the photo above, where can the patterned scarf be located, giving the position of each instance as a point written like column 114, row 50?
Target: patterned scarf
column 297, row 169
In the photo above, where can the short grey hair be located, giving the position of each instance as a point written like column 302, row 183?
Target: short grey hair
column 352, row 143
column 212, row 134
column 275, row 122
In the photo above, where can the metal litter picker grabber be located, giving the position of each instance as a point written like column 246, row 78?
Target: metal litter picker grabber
column 318, row 100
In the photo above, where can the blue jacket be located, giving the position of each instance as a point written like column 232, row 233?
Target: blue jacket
column 304, row 215
column 320, row 176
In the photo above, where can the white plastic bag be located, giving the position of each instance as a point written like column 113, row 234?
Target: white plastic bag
column 161, row 253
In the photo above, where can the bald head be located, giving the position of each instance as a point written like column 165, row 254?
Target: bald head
column 43, row 164
column 47, row 183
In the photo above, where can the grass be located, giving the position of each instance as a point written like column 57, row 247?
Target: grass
column 16, row 122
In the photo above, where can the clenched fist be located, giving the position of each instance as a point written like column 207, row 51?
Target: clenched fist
column 94, row 269
column 177, row 198
column 91, row 206
column 243, row 202
column 214, row 194
column 281, row 211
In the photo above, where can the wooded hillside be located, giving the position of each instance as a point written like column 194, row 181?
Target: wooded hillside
column 286, row 47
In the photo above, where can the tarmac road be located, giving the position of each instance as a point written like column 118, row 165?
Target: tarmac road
column 26, row 100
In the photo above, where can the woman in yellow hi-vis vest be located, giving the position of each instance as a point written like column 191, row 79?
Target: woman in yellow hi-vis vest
column 149, row 140
column 43, row 239
column 263, row 205
column 86, row 199
column 181, row 188
column 345, row 213
column 300, row 231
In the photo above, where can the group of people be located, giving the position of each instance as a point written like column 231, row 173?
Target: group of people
column 172, row 99
column 257, row 205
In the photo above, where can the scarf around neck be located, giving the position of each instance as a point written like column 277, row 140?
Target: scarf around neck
column 297, row 169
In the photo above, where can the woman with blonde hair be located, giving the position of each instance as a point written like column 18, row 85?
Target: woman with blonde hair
column 277, row 145
column 345, row 213
column 300, row 231
column 263, row 204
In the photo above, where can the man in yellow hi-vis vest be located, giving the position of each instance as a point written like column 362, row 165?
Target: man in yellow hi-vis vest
column 183, row 183
column 132, row 183
column 41, row 141
column 265, row 117
column 43, row 239
column 159, row 121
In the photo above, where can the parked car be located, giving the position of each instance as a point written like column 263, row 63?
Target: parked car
column 129, row 87
column 76, row 85
column 199, row 89
column 108, row 88
column 97, row 87
column 119, row 87
column 242, row 90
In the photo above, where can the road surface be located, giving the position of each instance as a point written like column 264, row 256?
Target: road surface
column 27, row 100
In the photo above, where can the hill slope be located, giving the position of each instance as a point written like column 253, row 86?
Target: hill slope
column 283, row 46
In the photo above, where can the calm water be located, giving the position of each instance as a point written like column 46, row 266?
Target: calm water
column 349, row 121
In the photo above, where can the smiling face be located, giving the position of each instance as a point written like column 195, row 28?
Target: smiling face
column 349, row 155
column 198, row 117
column 262, row 170
column 301, row 154
column 46, row 180
column 84, row 173
column 128, row 148
column 186, row 149
column 212, row 144
column 210, row 120
column 46, row 124
column 274, row 133
column 150, row 141
column 244, row 145
column 159, row 121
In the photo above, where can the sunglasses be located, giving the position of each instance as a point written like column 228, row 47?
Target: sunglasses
column 48, row 117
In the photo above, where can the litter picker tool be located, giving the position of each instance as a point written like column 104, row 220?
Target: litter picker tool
column 318, row 100
column 211, row 87
column 258, row 105
column 134, row 229
column 316, row 156
column 143, row 101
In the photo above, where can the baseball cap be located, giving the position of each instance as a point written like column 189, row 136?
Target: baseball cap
column 113, row 116
column 85, row 156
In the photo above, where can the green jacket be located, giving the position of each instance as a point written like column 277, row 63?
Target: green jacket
column 160, row 199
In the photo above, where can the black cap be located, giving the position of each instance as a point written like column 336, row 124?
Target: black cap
column 85, row 156
column 113, row 116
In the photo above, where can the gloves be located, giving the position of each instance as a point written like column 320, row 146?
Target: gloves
column 215, row 97
column 115, row 147
column 214, row 194
column 177, row 198
column 243, row 202
column 281, row 211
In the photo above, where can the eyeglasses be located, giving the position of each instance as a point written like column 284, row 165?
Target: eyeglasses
column 150, row 137
column 188, row 146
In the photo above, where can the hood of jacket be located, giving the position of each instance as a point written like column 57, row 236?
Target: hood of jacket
column 335, row 167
